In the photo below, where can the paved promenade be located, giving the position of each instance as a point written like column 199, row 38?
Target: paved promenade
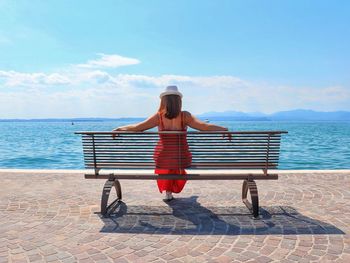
column 55, row 218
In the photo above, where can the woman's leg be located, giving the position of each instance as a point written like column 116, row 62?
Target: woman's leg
column 173, row 186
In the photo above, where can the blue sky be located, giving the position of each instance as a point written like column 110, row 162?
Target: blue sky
column 82, row 58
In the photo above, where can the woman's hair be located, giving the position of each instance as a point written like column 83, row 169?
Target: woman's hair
column 170, row 106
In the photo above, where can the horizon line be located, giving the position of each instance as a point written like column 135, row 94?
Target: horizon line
column 201, row 115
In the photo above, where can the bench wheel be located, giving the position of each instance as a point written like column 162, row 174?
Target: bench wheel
column 254, row 205
column 105, row 195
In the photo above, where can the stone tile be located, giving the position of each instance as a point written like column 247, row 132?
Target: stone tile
column 47, row 218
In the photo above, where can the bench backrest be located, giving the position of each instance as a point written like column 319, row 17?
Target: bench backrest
column 209, row 150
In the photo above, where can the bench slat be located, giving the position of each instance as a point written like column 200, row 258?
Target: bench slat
column 179, row 132
column 150, row 153
column 193, row 139
column 199, row 154
column 213, row 176
column 193, row 165
column 207, row 159
column 191, row 148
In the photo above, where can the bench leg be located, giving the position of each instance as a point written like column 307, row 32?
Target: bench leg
column 254, row 205
column 105, row 195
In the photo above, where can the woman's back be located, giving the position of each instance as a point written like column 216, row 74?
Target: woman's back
column 175, row 124
column 172, row 150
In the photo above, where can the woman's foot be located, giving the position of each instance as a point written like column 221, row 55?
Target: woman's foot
column 168, row 196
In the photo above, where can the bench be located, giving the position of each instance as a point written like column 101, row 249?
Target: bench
column 246, row 156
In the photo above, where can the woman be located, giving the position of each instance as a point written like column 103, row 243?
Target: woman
column 170, row 118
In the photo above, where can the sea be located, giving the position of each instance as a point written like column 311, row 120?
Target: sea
column 54, row 145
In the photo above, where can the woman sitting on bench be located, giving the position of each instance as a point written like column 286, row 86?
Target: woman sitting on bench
column 170, row 118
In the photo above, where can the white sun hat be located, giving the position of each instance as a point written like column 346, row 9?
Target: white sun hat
column 171, row 90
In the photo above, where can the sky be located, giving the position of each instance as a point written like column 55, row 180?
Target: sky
column 62, row 59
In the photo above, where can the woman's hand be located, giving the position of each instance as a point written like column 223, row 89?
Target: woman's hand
column 116, row 129
column 228, row 135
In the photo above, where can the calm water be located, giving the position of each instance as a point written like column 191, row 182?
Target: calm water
column 53, row 145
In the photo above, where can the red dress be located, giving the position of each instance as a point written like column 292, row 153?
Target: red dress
column 171, row 156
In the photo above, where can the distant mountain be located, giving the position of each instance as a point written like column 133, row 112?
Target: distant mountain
column 292, row 115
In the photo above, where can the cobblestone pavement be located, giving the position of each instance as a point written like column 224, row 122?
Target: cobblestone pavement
column 55, row 218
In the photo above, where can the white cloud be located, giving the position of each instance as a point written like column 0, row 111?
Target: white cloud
column 15, row 79
column 56, row 79
column 109, row 61
column 92, row 92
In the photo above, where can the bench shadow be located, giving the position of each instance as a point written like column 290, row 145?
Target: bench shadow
column 185, row 216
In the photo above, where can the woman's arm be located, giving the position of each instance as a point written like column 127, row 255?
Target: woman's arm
column 141, row 126
column 193, row 122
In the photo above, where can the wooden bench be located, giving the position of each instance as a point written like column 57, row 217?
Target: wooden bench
column 248, row 156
